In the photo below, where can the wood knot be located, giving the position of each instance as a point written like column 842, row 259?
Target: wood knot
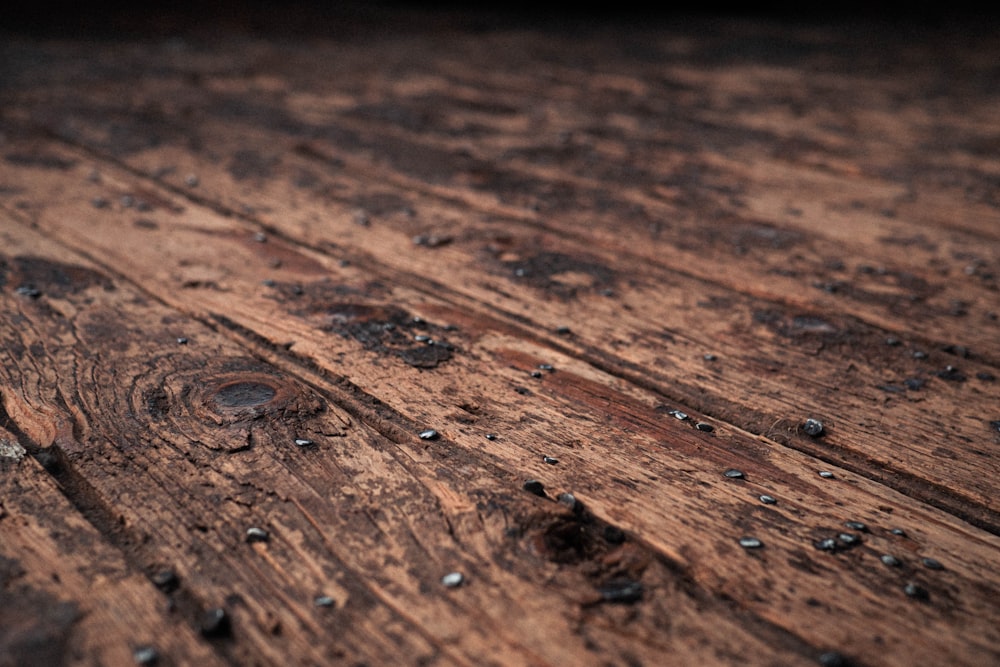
column 242, row 396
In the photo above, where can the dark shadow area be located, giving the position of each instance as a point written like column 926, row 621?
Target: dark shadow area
column 316, row 18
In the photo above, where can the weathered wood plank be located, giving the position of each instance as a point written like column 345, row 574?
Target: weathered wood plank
column 574, row 413
column 67, row 597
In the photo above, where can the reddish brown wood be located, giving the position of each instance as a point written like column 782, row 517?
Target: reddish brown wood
column 211, row 252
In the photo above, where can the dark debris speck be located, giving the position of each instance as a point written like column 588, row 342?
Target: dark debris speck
column 166, row 580
column 614, row 535
column 535, row 487
column 914, row 384
column 958, row 350
column 702, row 426
column 952, row 374
column 621, row 591
column 834, row 659
column 215, row 623
column 985, row 376
column 916, row 592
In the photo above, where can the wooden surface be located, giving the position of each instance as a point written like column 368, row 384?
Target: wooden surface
column 243, row 271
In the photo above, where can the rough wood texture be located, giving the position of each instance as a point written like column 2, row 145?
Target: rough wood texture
column 241, row 278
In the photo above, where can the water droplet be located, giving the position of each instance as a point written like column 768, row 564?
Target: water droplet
column 932, row 564
column 709, row 357
column 768, row 500
column 491, row 436
column 303, row 442
column 890, row 560
column 850, row 539
column 453, row 579
column 570, row 501
column 826, row 474
column 551, row 461
column 856, row 525
column 898, row 531
column 257, row 535
column 324, row 601
column 145, row 655
column 429, row 434
column 191, row 181
column 826, row 544
column 182, row 341
column 750, row 543
column 677, row 414
column 733, row 473
column 813, row 428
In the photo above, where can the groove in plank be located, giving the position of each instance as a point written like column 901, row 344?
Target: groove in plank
column 67, row 596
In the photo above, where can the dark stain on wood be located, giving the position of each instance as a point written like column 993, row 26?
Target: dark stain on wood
column 53, row 278
column 34, row 626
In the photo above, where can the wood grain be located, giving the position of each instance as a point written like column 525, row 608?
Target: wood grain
column 240, row 278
